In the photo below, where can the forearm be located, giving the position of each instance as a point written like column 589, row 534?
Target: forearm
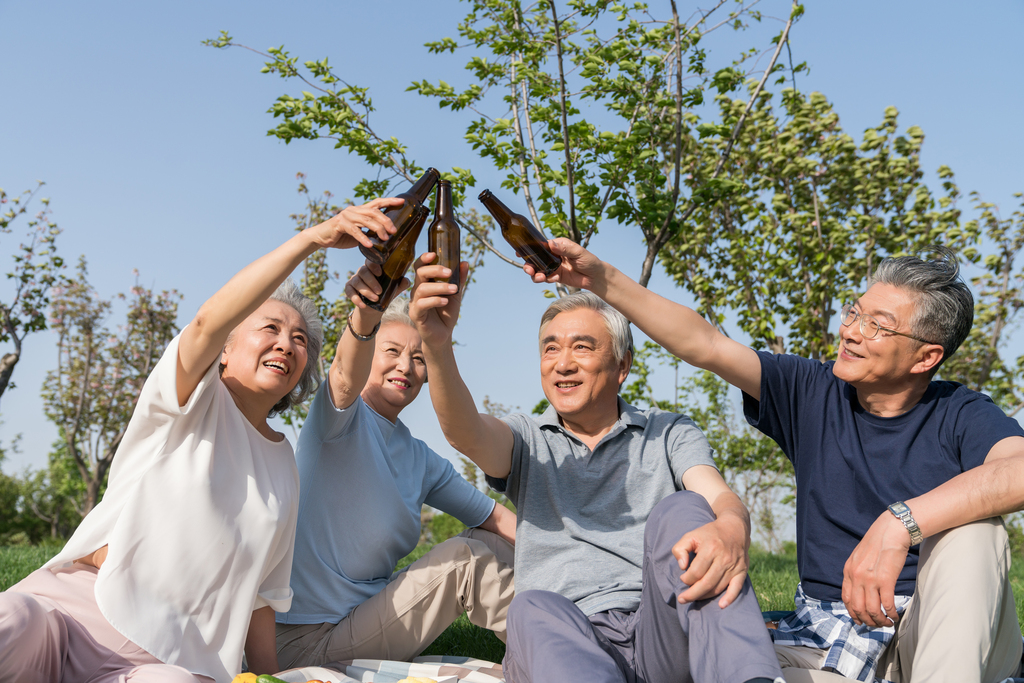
column 680, row 330
column 502, row 522
column 351, row 366
column 731, row 512
column 261, row 642
column 482, row 438
column 990, row 490
column 244, row 293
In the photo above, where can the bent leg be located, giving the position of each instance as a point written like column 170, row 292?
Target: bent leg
column 551, row 641
column 962, row 623
column 463, row 574
column 696, row 641
column 33, row 640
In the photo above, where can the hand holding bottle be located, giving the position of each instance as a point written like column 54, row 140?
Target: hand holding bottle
column 434, row 306
column 345, row 230
column 579, row 268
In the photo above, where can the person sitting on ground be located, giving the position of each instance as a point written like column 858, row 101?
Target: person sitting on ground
column 631, row 549
column 184, row 561
column 885, row 457
column 365, row 479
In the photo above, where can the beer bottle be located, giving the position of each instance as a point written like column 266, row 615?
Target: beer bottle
column 402, row 255
column 443, row 235
column 402, row 216
column 529, row 242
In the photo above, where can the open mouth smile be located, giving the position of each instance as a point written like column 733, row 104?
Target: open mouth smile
column 277, row 366
column 402, row 384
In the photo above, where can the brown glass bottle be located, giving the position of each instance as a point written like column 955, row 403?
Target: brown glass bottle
column 402, row 216
column 402, row 256
column 443, row 236
column 529, row 242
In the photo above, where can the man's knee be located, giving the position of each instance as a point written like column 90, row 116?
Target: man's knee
column 979, row 547
column 677, row 514
column 534, row 607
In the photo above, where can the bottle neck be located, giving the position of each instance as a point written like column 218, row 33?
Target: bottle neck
column 422, row 187
column 500, row 212
column 443, row 207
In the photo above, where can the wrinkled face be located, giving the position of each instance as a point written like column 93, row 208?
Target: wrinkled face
column 888, row 358
column 267, row 352
column 398, row 370
column 577, row 364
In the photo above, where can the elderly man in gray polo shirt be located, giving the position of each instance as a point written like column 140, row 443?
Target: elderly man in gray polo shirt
column 631, row 550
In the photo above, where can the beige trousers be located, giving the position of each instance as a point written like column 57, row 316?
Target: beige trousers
column 470, row 573
column 960, row 627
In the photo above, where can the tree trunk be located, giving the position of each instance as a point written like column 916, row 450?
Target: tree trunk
column 7, row 364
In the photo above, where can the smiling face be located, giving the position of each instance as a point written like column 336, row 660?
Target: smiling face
column 578, row 369
column 266, row 354
column 887, row 361
column 398, row 370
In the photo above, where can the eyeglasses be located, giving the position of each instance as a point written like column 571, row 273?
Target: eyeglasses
column 869, row 327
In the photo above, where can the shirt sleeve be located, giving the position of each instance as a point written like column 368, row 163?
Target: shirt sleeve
column 980, row 425
column 783, row 379
column 454, row 495
column 687, row 446
column 520, row 426
column 327, row 422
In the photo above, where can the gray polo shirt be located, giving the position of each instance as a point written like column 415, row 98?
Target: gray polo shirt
column 580, row 531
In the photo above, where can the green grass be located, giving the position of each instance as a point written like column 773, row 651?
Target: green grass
column 774, row 578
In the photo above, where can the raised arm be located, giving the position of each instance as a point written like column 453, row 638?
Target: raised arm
column 679, row 329
column 203, row 340
column 434, row 308
column 351, row 366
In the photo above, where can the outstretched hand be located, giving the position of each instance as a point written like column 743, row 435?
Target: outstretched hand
column 434, row 306
column 869, row 577
column 345, row 230
column 579, row 267
column 719, row 565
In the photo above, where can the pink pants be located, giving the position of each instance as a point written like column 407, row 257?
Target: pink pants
column 52, row 631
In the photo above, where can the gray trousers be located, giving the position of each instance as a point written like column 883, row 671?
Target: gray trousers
column 550, row 639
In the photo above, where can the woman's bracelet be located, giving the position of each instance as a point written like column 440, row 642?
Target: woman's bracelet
column 360, row 337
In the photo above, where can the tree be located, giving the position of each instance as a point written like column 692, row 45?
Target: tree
column 538, row 70
column 92, row 394
column 36, row 269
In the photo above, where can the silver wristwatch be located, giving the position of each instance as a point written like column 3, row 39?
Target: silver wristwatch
column 902, row 512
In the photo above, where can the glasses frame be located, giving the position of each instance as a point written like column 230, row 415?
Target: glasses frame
column 847, row 320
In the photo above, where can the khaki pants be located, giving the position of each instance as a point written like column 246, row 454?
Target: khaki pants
column 470, row 573
column 960, row 627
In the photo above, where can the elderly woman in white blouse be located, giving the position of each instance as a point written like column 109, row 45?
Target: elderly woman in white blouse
column 188, row 555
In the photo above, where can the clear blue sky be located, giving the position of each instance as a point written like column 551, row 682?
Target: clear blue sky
column 154, row 151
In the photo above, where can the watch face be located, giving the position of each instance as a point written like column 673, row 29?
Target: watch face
column 899, row 508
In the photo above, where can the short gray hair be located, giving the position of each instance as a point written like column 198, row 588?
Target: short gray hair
column 944, row 312
column 397, row 312
column 288, row 293
column 618, row 326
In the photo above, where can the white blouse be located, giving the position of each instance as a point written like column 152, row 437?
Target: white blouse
column 199, row 516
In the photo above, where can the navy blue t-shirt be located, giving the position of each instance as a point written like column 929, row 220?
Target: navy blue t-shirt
column 850, row 465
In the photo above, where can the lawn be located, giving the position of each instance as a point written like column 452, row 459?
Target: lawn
column 774, row 578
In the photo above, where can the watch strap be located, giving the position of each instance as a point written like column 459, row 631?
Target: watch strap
column 902, row 513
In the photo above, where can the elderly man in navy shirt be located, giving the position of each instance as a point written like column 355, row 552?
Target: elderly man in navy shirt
column 885, row 458
column 631, row 550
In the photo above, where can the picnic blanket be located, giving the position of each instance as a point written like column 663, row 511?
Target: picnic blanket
column 441, row 668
